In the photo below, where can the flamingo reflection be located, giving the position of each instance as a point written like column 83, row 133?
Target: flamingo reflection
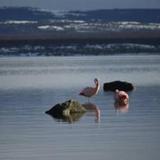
column 90, row 107
column 121, row 107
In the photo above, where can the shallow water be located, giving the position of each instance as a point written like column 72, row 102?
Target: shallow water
column 30, row 86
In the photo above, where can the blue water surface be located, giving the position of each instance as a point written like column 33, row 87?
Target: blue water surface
column 30, row 86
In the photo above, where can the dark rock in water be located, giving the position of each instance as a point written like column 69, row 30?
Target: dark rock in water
column 66, row 108
column 68, row 111
column 120, row 85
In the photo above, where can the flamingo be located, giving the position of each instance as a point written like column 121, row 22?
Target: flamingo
column 91, row 91
column 121, row 97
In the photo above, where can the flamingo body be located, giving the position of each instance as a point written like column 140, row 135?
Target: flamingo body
column 121, row 97
column 91, row 91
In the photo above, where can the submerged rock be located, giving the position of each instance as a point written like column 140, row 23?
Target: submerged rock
column 69, row 111
column 120, row 85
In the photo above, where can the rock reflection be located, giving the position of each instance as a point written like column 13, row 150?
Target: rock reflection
column 90, row 107
column 71, row 111
column 70, row 118
column 74, row 117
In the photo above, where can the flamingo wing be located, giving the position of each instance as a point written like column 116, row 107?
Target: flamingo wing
column 88, row 92
column 123, row 95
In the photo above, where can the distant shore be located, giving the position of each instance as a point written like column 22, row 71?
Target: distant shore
column 150, row 37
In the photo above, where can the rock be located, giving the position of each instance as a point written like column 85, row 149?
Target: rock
column 120, row 85
column 69, row 111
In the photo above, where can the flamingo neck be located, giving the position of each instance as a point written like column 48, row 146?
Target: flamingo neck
column 97, row 86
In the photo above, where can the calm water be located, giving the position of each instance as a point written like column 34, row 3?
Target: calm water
column 30, row 86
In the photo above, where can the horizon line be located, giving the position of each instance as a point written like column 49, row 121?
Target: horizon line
column 138, row 8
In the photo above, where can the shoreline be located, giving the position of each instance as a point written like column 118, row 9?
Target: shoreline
column 139, row 37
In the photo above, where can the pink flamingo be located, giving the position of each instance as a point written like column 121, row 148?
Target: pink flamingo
column 91, row 91
column 121, row 97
